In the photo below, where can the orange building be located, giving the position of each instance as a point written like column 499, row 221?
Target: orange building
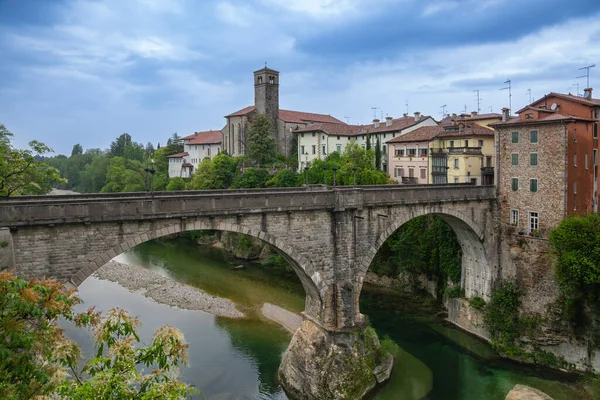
column 547, row 164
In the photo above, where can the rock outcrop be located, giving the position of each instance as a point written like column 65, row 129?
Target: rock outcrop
column 322, row 365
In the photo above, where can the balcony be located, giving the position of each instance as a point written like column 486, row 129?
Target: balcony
column 408, row 180
column 465, row 150
column 439, row 170
column 487, row 170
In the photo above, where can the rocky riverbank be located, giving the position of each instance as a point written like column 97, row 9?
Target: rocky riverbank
column 166, row 291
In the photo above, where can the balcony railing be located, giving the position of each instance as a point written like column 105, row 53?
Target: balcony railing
column 439, row 170
column 465, row 150
column 487, row 170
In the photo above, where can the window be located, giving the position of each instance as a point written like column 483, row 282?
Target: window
column 514, row 158
column 338, row 138
column 209, row 151
column 456, row 163
column 515, row 137
column 338, row 148
column 533, row 159
column 422, row 152
column 575, row 135
column 455, row 180
column 529, row 116
column 574, row 187
column 481, row 143
column 533, row 185
column 400, row 152
column 586, row 161
column 314, row 148
column 451, row 143
column 412, row 152
column 515, row 184
column 411, row 172
column 423, row 173
column 514, row 217
column 324, row 152
column 488, row 162
column 349, row 138
column 595, row 130
column 323, row 137
column 400, row 172
column 314, row 133
column 533, row 136
column 385, row 150
column 466, row 143
column 302, row 150
column 533, row 221
column 595, row 160
column 575, row 159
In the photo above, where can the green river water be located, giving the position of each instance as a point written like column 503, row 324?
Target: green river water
column 238, row 358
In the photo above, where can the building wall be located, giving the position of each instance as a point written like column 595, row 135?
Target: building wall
column 550, row 199
column 406, row 162
column 469, row 165
column 234, row 135
column 581, row 169
column 176, row 168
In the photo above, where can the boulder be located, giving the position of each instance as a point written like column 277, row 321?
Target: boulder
column 522, row 392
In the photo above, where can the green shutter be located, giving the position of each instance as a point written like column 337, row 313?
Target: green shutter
column 533, row 185
column 533, row 159
column 515, row 137
column 515, row 159
column 515, row 184
column 533, row 135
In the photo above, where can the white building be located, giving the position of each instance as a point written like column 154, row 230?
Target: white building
column 196, row 148
column 316, row 141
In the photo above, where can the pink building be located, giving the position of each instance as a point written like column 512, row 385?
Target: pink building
column 408, row 155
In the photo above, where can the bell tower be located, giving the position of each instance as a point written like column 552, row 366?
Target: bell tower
column 266, row 93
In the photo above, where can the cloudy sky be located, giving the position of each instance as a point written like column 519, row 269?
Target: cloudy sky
column 85, row 71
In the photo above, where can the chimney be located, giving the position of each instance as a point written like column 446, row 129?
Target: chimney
column 453, row 118
column 376, row 123
column 505, row 114
column 417, row 116
column 405, row 115
column 196, row 133
column 473, row 113
column 587, row 93
column 388, row 121
column 461, row 127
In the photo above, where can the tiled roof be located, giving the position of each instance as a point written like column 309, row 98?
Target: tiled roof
column 207, row 137
column 422, row 134
column 469, row 130
column 292, row 116
column 178, row 155
column 397, row 124
column 545, row 120
column 447, row 120
column 332, row 129
column 570, row 97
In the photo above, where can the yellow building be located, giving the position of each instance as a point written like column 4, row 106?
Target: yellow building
column 463, row 153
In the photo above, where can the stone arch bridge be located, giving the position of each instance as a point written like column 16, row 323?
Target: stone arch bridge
column 329, row 236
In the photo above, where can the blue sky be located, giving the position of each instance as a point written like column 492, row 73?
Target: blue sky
column 85, row 71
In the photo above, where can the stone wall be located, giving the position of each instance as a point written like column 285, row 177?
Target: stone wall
column 7, row 257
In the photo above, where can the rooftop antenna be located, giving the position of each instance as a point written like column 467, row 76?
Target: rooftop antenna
column 381, row 115
column 577, row 85
column 478, row 101
column 530, row 99
column 443, row 110
column 491, row 110
column 465, row 109
column 407, row 106
column 509, row 87
column 265, row 64
column 374, row 112
column 347, row 119
column 587, row 74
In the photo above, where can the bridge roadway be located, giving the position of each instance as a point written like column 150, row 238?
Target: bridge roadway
column 329, row 235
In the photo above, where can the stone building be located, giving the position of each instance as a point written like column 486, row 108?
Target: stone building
column 547, row 166
column 266, row 101
column 196, row 148
column 317, row 140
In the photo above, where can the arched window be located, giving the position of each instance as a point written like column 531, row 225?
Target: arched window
column 260, row 80
column 271, row 80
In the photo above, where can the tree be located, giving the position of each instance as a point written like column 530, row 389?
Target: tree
column 378, row 155
column 174, row 144
column 117, row 147
column 37, row 360
column 176, row 184
column 368, row 147
column 223, row 170
column 93, row 176
column 124, row 176
column 251, row 178
column 20, row 172
column 261, row 140
column 203, row 178
column 77, row 150
column 283, row 178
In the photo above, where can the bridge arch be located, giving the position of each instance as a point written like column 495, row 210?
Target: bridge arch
column 304, row 269
column 476, row 274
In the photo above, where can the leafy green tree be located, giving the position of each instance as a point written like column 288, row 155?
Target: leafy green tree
column 576, row 243
column 223, row 169
column 174, row 144
column 124, row 176
column 378, row 155
column 77, row 150
column 176, row 184
column 38, row 361
column 93, row 176
column 203, row 178
column 261, row 140
column 117, row 147
column 20, row 172
column 251, row 178
column 135, row 151
column 284, row 178
column 368, row 146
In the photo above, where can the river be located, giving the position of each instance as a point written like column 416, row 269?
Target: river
column 238, row 358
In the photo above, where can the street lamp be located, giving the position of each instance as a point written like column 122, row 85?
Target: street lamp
column 324, row 174
column 152, row 171
column 306, row 174
column 334, row 171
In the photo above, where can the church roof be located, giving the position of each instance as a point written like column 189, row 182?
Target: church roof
column 341, row 129
column 332, row 129
column 292, row 116
column 207, row 137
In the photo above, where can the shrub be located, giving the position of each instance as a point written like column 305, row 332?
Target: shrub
column 502, row 314
column 477, row 303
